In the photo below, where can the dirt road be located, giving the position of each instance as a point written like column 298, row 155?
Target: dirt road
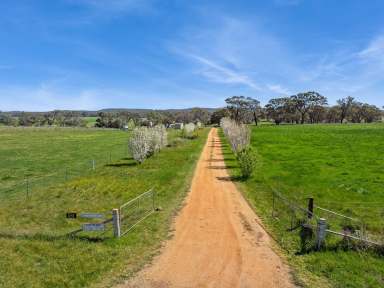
column 217, row 240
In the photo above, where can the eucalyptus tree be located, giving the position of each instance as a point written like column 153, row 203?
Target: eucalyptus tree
column 307, row 101
column 344, row 106
column 254, row 107
column 238, row 108
column 276, row 109
column 219, row 114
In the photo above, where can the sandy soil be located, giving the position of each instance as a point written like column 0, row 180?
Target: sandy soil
column 217, row 241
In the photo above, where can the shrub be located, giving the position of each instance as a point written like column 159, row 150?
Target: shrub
column 247, row 162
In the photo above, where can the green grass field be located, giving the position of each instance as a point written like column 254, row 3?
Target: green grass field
column 341, row 166
column 91, row 121
column 35, row 251
column 51, row 154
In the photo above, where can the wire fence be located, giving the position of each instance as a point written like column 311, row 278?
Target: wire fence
column 24, row 188
column 117, row 222
column 136, row 210
column 302, row 225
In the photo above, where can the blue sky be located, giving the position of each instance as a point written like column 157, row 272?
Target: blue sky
column 92, row 54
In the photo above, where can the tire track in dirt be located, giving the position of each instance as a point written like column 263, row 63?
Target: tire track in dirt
column 217, row 239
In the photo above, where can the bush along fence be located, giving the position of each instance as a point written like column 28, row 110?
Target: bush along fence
column 239, row 137
column 318, row 227
column 121, row 220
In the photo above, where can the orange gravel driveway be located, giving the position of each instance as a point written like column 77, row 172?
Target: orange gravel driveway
column 217, row 240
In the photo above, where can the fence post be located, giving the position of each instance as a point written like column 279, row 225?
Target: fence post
column 321, row 232
column 93, row 164
column 116, row 223
column 310, row 208
column 273, row 204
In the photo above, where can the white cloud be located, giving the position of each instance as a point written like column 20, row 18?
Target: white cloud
column 375, row 49
column 244, row 51
column 45, row 97
column 237, row 51
column 278, row 89
column 221, row 74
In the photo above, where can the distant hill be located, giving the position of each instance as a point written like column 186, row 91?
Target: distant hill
column 133, row 110
column 115, row 110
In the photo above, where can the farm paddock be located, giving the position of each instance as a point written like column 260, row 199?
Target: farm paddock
column 36, row 251
column 341, row 167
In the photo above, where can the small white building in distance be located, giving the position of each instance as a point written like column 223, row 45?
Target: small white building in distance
column 177, row 126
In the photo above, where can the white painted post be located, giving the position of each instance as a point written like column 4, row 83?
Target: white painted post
column 116, row 223
column 321, row 232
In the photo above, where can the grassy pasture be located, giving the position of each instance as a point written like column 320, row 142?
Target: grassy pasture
column 341, row 166
column 50, row 154
column 91, row 121
column 34, row 249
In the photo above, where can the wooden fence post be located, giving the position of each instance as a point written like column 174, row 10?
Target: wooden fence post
column 310, row 208
column 116, row 223
column 321, row 232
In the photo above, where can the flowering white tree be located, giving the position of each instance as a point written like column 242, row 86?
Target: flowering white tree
column 163, row 136
column 145, row 142
column 238, row 135
column 138, row 144
column 188, row 130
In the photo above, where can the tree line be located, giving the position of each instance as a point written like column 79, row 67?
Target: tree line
column 152, row 118
column 308, row 107
column 105, row 119
column 53, row 118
